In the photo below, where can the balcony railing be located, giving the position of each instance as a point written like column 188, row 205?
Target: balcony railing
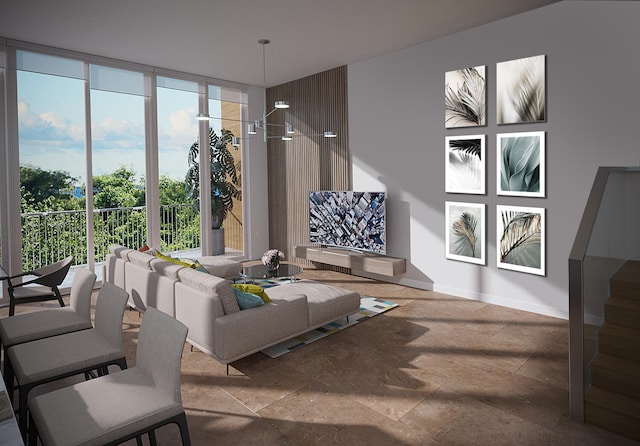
column 50, row 236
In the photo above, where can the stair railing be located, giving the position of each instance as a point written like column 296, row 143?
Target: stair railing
column 603, row 242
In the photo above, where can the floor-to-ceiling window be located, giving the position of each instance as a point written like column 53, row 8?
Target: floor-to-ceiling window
column 98, row 147
column 51, row 134
column 177, row 132
column 118, row 158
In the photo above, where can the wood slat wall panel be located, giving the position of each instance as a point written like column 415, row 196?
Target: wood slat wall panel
column 317, row 103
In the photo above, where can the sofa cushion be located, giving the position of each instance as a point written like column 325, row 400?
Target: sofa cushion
column 120, row 252
column 167, row 269
column 326, row 302
column 221, row 266
column 140, row 259
column 212, row 285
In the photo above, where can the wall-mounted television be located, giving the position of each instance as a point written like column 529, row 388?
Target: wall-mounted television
column 348, row 219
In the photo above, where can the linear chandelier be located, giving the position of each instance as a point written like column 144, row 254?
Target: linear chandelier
column 285, row 132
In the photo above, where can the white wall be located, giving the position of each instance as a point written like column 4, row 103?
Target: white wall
column 396, row 133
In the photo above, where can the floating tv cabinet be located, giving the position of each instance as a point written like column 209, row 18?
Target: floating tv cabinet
column 358, row 262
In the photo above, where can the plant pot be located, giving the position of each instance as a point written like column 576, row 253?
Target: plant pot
column 218, row 241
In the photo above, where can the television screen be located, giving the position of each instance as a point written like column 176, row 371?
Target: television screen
column 354, row 220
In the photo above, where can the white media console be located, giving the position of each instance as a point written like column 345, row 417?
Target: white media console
column 357, row 261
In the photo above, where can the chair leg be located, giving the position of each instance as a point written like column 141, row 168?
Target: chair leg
column 152, row 438
column 8, row 378
column 23, row 394
column 32, row 435
column 55, row 290
column 12, row 307
column 181, row 421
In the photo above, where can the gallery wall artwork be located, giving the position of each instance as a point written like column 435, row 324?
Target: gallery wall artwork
column 465, row 97
column 521, row 239
column 465, row 231
column 520, row 161
column 465, row 163
column 520, row 90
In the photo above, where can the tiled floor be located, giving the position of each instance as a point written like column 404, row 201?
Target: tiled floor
column 438, row 370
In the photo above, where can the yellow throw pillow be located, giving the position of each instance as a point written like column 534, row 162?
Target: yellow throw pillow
column 176, row 261
column 253, row 289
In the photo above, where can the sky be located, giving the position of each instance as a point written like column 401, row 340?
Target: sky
column 52, row 136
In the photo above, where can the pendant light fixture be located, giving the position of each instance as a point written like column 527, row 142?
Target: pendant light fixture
column 285, row 132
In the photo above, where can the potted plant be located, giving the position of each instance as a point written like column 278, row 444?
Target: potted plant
column 223, row 174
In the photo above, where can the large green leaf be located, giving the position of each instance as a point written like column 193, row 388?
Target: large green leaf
column 520, row 165
column 521, row 236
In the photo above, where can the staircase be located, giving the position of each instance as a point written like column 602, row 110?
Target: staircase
column 613, row 400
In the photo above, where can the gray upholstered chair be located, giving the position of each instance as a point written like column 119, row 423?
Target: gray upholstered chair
column 43, row 287
column 51, row 359
column 35, row 325
column 114, row 408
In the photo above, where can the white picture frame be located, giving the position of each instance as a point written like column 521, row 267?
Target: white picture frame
column 465, row 164
column 520, row 164
column 465, row 229
column 521, row 239
column 465, row 97
column 521, row 90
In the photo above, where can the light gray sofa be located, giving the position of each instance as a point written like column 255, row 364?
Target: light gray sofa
column 206, row 303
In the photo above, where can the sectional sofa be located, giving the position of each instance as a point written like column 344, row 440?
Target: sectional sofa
column 206, row 302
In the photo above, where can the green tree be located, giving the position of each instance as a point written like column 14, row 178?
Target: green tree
column 118, row 189
column 42, row 190
column 172, row 191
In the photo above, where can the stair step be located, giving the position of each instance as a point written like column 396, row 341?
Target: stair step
column 626, row 281
column 613, row 412
column 616, row 374
column 622, row 311
column 615, row 340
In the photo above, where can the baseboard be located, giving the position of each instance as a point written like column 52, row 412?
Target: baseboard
column 466, row 294
column 504, row 302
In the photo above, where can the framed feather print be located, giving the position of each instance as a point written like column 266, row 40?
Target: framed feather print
column 465, row 164
column 521, row 90
column 521, row 238
column 465, row 102
column 465, row 232
column 520, row 161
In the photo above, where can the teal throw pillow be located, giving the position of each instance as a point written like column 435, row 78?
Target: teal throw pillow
column 247, row 300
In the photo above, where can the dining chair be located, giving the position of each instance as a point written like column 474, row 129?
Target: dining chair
column 43, row 287
column 124, row 405
column 51, row 359
column 40, row 324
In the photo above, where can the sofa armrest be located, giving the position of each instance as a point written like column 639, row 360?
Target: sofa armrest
column 248, row 331
column 198, row 311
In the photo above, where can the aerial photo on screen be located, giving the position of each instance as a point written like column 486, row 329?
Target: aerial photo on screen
column 353, row 220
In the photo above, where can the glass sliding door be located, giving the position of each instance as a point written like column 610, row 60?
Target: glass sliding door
column 177, row 105
column 118, row 158
column 51, row 135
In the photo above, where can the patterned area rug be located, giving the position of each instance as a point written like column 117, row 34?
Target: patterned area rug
column 369, row 307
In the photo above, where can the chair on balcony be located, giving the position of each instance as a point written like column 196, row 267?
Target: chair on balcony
column 52, row 359
column 43, row 287
column 35, row 325
column 115, row 408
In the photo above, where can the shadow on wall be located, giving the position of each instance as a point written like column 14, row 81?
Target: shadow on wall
column 399, row 245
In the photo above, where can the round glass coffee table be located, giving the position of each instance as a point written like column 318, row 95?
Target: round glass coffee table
column 284, row 271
